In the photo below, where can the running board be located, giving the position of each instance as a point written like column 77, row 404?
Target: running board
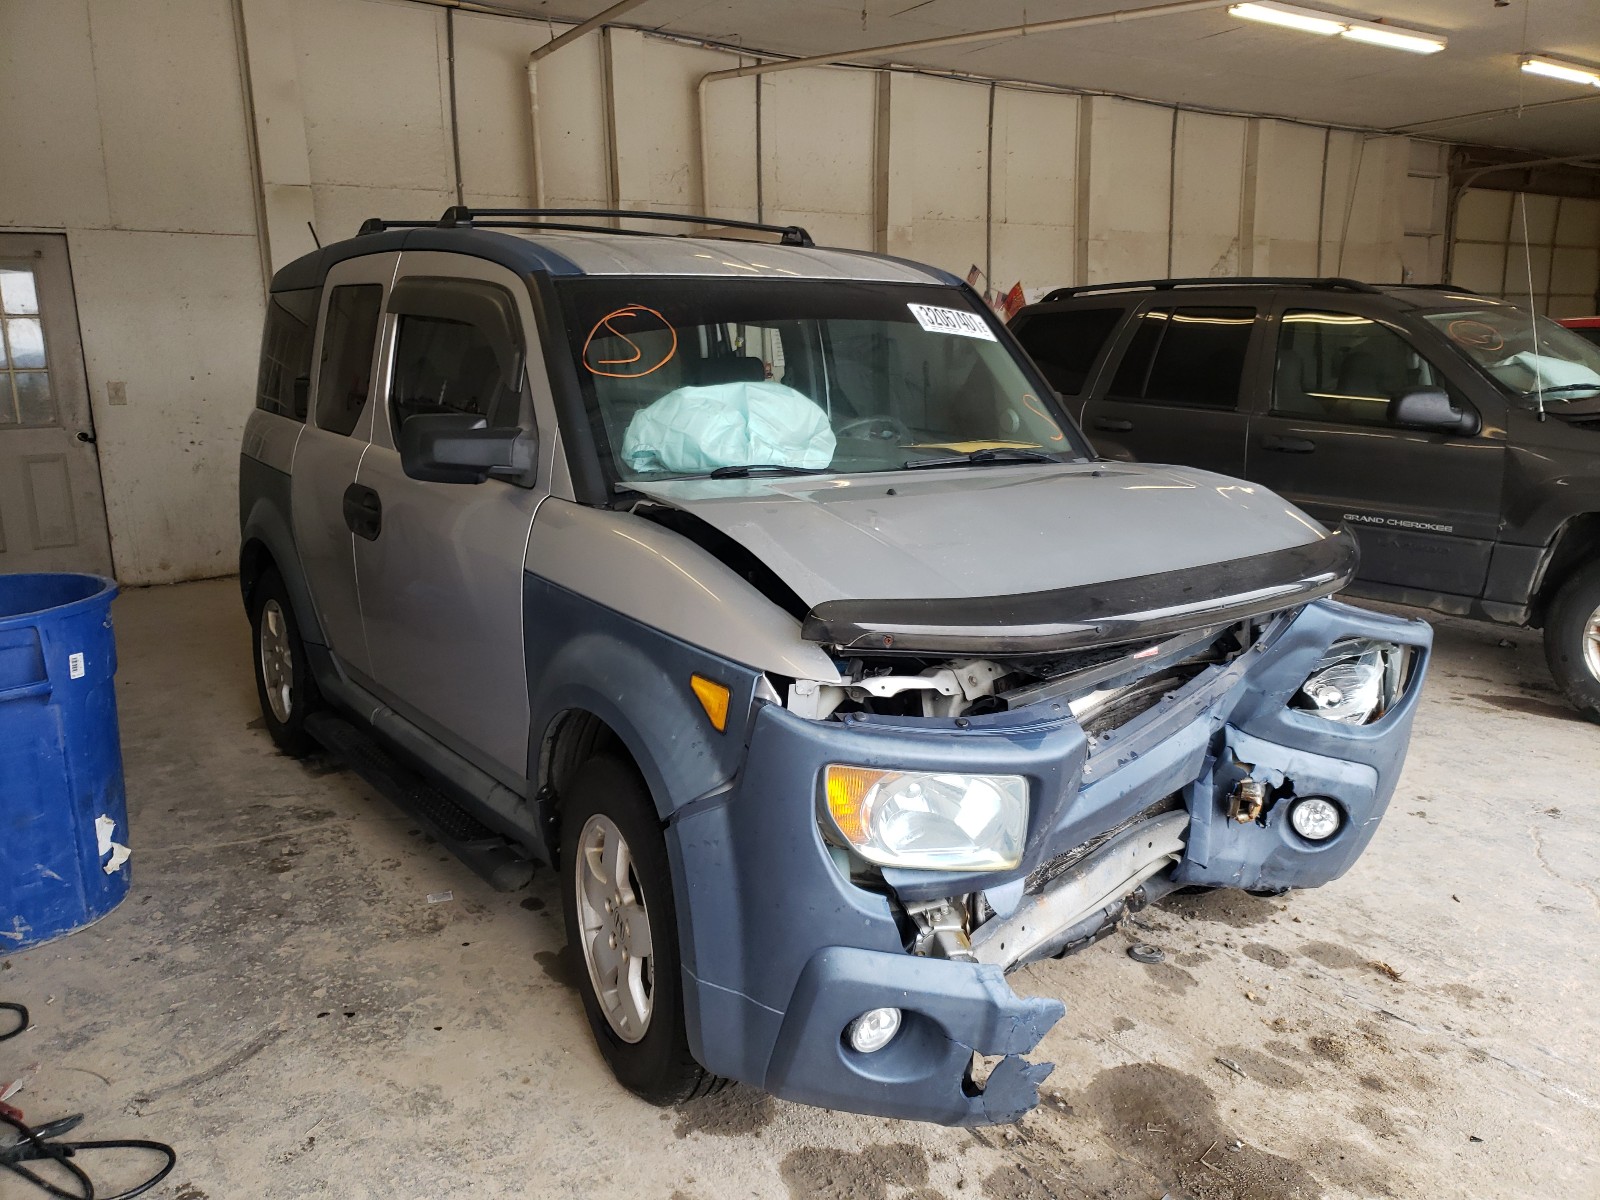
column 494, row 859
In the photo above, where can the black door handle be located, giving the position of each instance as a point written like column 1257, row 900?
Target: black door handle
column 83, row 435
column 1288, row 445
column 363, row 511
column 1111, row 425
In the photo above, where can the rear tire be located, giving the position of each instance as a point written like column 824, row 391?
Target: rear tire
column 284, row 686
column 615, row 875
column 1572, row 640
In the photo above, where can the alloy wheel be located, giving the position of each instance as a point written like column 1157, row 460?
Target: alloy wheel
column 277, row 661
column 614, row 926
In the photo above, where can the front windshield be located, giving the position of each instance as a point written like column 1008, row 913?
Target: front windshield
column 693, row 376
column 1533, row 358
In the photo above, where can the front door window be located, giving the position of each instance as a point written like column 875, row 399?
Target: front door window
column 1341, row 367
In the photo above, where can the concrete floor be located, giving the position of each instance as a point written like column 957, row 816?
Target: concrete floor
column 278, row 998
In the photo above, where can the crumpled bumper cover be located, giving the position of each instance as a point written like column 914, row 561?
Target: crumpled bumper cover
column 949, row 1010
column 781, row 952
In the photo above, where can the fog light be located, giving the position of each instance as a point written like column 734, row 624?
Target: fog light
column 1314, row 819
column 873, row 1030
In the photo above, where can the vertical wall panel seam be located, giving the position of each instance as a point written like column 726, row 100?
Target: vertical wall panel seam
column 988, row 199
column 1172, row 190
column 258, row 186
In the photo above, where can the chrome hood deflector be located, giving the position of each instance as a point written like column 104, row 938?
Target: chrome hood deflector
column 1018, row 560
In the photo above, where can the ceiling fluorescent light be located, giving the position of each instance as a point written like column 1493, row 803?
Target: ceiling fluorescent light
column 1309, row 20
column 1555, row 69
column 1395, row 39
column 1289, row 17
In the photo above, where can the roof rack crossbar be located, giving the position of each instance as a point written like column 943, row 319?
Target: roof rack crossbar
column 460, row 216
column 1160, row 285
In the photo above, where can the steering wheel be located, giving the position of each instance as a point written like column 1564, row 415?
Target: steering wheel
column 882, row 426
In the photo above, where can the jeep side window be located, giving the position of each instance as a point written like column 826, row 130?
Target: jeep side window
column 1189, row 356
column 1336, row 366
column 1066, row 345
column 284, row 381
column 458, row 348
column 347, row 342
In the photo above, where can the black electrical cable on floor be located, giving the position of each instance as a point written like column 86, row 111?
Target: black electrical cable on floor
column 22, row 1019
column 39, row 1145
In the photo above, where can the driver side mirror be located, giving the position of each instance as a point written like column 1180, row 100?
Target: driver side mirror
column 1432, row 410
column 461, row 448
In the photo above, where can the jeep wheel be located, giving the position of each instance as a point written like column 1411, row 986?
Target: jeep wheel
column 1572, row 640
column 622, row 931
column 283, row 677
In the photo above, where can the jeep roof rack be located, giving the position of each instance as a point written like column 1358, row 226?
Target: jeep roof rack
column 460, row 216
column 1333, row 282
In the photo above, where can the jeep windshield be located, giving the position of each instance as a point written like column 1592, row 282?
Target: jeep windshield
column 1533, row 358
column 728, row 378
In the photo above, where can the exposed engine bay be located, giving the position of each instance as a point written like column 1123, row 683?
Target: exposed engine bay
column 1105, row 687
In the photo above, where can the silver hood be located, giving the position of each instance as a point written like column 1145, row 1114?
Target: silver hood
column 1032, row 557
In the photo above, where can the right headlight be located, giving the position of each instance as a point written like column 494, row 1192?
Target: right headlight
column 933, row 820
column 1357, row 681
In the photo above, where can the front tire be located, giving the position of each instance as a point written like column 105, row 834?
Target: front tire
column 622, row 932
column 284, row 685
column 1572, row 640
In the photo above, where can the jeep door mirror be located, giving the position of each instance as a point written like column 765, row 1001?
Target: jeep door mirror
column 1431, row 409
column 461, row 448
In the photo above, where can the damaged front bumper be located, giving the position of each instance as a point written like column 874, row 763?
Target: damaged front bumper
column 782, row 950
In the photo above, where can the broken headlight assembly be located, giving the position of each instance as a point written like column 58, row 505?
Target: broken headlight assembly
column 1357, row 681
column 928, row 820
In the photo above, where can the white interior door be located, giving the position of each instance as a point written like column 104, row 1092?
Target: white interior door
column 52, row 512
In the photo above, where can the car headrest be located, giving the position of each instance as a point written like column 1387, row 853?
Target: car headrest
column 743, row 368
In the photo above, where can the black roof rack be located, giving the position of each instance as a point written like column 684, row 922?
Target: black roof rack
column 1435, row 287
column 459, row 216
column 1334, row 283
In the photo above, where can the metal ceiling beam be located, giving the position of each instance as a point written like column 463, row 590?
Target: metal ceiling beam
column 577, row 31
column 960, row 39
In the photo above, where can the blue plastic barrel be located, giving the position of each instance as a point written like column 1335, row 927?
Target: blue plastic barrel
column 63, row 811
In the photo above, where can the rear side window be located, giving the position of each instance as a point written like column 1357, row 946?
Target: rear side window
column 1189, row 356
column 285, row 377
column 1336, row 366
column 458, row 348
column 348, row 340
column 1066, row 345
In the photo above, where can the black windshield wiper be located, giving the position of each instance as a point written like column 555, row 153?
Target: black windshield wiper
column 1563, row 387
column 991, row 454
column 745, row 470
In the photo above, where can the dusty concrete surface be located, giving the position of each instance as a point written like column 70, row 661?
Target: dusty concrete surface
column 279, row 1000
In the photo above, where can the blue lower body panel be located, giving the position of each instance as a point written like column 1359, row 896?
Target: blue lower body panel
column 782, row 949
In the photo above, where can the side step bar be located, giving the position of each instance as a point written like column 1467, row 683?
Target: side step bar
column 500, row 863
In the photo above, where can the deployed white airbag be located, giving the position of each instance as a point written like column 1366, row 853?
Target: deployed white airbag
column 1550, row 372
column 728, row 425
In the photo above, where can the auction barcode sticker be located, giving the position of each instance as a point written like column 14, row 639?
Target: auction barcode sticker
column 951, row 320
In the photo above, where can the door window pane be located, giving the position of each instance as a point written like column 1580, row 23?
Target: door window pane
column 26, row 395
column 1066, row 345
column 458, row 348
column 18, row 294
column 1340, row 367
column 347, row 344
column 1189, row 356
column 35, row 404
column 26, row 339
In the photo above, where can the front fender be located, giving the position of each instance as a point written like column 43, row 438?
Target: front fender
column 582, row 655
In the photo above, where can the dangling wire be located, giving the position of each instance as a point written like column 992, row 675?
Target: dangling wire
column 1533, row 313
